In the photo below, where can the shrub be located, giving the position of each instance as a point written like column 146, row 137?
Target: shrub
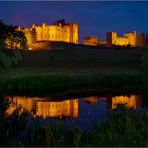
column 5, row 61
column 16, row 56
column 144, row 59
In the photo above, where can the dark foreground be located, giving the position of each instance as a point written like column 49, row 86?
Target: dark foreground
column 61, row 72
column 121, row 128
column 85, row 59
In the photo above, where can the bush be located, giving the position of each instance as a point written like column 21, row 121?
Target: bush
column 16, row 56
column 5, row 61
column 144, row 60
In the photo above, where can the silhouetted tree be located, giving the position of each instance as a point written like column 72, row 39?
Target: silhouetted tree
column 3, row 34
column 11, row 37
column 16, row 38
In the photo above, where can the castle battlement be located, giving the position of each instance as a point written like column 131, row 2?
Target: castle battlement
column 127, row 39
column 61, row 31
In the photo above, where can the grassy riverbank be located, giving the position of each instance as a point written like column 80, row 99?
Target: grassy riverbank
column 61, row 83
column 73, row 70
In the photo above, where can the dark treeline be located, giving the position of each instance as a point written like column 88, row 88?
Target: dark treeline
column 12, row 44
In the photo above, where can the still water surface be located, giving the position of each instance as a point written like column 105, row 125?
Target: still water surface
column 80, row 112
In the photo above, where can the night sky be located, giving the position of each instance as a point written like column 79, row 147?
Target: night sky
column 93, row 17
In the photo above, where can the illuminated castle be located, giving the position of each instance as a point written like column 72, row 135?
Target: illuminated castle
column 92, row 41
column 112, row 39
column 43, row 107
column 127, row 39
column 61, row 32
column 142, row 40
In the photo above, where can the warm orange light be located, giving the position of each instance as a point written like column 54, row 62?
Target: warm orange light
column 43, row 107
column 127, row 39
column 91, row 100
column 128, row 102
column 58, row 32
column 91, row 41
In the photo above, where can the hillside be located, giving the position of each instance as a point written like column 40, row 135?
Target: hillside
column 81, row 59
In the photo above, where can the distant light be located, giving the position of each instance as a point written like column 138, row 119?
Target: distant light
column 30, row 48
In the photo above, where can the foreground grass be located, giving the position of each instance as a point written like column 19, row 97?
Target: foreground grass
column 59, row 83
column 121, row 128
column 82, row 58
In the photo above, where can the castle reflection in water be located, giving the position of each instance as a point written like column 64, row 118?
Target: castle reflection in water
column 43, row 107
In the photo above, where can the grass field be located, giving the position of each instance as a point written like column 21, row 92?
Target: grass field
column 82, row 58
column 62, row 70
column 104, row 61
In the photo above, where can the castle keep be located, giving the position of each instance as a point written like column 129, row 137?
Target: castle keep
column 113, row 40
column 39, row 36
column 127, row 39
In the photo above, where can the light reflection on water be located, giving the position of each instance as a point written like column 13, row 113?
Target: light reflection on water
column 81, row 111
column 43, row 107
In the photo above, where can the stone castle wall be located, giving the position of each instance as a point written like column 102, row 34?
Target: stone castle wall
column 127, row 39
column 61, row 31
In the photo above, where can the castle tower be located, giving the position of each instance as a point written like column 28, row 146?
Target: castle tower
column 111, row 39
column 73, row 33
column 30, row 35
column 131, row 37
column 140, row 39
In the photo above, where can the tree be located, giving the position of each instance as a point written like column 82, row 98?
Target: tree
column 3, row 34
column 21, row 39
column 11, row 37
column 16, row 38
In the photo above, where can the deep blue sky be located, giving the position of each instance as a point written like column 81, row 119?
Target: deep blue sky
column 93, row 17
